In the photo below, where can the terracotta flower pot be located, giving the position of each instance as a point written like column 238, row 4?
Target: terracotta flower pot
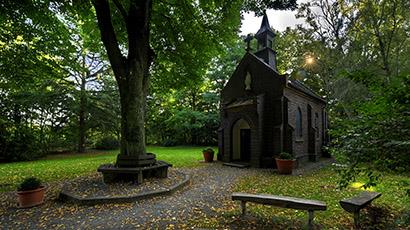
column 31, row 198
column 208, row 156
column 284, row 166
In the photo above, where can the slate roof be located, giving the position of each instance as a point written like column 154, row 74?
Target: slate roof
column 303, row 88
column 299, row 86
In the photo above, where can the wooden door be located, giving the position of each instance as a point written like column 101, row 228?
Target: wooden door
column 245, row 139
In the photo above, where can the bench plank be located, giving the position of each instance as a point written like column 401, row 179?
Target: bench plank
column 280, row 201
column 356, row 203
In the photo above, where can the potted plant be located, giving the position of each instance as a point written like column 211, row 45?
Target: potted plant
column 285, row 163
column 208, row 154
column 30, row 193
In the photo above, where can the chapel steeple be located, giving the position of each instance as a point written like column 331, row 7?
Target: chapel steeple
column 265, row 37
column 265, row 34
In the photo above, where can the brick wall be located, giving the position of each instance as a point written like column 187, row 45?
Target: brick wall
column 300, row 145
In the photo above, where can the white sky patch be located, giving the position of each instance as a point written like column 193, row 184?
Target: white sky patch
column 278, row 19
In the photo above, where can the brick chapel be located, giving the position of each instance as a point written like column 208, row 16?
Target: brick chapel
column 264, row 113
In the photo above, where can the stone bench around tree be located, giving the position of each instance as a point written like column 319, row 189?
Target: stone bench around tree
column 283, row 202
column 354, row 204
column 112, row 173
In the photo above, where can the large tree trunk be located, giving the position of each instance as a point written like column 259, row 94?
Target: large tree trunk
column 131, row 72
column 132, row 116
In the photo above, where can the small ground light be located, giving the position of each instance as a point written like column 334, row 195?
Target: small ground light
column 310, row 60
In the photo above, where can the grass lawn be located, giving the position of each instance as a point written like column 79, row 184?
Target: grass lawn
column 66, row 166
column 321, row 185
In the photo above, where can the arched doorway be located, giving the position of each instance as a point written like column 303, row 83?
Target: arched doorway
column 241, row 141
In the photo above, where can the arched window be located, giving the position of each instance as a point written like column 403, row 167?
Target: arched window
column 299, row 130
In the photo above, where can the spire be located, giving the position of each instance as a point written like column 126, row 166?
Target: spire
column 265, row 27
column 265, row 37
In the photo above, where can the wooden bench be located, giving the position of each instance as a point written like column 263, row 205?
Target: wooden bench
column 281, row 201
column 354, row 204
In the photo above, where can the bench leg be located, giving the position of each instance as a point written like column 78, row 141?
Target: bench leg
column 139, row 178
column 356, row 219
column 243, row 207
column 310, row 220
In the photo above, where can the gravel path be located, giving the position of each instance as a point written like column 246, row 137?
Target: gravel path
column 209, row 187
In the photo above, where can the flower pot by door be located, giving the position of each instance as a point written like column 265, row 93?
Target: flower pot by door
column 284, row 166
column 31, row 198
column 208, row 156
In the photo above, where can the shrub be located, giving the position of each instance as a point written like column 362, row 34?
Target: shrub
column 21, row 144
column 209, row 150
column 285, row 156
column 107, row 143
column 169, row 143
column 30, row 183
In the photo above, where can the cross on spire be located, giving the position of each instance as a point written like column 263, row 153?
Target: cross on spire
column 248, row 40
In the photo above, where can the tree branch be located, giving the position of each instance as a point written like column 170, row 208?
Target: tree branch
column 121, row 9
column 109, row 38
column 138, row 26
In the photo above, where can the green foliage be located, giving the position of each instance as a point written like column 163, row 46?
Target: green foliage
column 205, row 27
column 169, row 143
column 377, row 137
column 196, row 127
column 352, row 173
column 405, row 219
column 285, row 156
column 259, row 6
column 209, row 150
column 107, row 143
column 30, row 183
column 20, row 144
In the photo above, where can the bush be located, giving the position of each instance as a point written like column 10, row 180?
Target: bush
column 376, row 137
column 169, row 143
column 30, row 183
column 107, row 143
column 209, row 150
column 285, row 156
column 21, row 144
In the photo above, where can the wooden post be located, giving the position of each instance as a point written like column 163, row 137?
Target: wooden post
column 243, row 207
column 356, row 219
column 310, row 220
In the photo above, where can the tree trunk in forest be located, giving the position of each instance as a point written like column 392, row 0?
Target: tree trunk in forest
column 131, row 74
column 81, row 117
